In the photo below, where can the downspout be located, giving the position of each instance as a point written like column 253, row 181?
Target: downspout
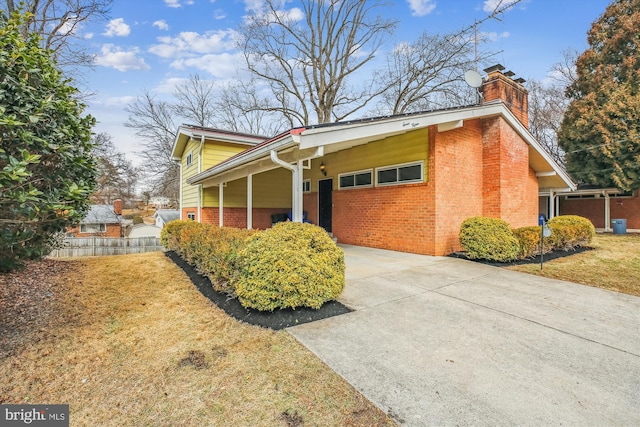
column 296, row 187
column 607, row 212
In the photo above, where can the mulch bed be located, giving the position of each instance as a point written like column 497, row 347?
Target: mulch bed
column 277, row 319
column 533, row 260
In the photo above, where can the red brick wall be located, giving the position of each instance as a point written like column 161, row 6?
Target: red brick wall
column 455, row 170
column 113, row 230
column 514, row 95
column 398, row 217
column 310, row 206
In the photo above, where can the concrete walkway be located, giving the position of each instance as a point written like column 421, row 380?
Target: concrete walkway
column 440, row 341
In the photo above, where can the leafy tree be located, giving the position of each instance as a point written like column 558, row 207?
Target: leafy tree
column 600, row 131
column 46, row 168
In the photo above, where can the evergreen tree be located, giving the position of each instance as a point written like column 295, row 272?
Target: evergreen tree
column 600, row 130
column 47, row 170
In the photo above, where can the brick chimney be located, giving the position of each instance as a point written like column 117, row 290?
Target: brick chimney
column 117, row 206
column 500, row 86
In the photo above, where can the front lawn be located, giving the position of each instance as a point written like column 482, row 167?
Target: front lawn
column 614, row 264
column 128, row 340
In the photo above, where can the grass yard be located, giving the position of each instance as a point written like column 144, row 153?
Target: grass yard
column 614, row 264
column 129, row 341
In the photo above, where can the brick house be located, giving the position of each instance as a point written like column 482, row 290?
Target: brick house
column 101, row 220
column 402, row 182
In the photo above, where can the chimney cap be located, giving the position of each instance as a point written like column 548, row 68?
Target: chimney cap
column 509, row 73
column 520, row 80
column 493, row 68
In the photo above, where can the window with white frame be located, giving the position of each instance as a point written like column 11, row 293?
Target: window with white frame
column 306, row 186
column 93, row 228
column 191, row 216
column 356, row 179
column 189, row 158
column 400, row 174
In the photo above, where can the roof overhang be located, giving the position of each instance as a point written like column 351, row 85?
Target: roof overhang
column 186, row 133
column 316, row 141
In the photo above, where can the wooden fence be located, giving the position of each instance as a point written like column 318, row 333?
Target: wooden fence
column 99, row 246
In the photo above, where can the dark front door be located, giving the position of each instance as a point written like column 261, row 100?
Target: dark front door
column 324, row 203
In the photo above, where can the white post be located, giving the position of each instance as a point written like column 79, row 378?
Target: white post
column 607, row 212
column 552, row 203
column 220, row 204
column 249, row 201
column 296, row 184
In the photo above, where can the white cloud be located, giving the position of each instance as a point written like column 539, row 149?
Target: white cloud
column 189, row 43
column 161, row 24
column 219, row 14
column 422, row 7
column 119, row 101
column 257, row 11
column 177, row 3
column 88, row 36
column 491, row 5
column 221, row 66
column 492, row 36
column 114, row 57
column 117, row 27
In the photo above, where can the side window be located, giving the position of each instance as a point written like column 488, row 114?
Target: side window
column 189, row 159
column 306, row 186
column 355, row 179
column 191, row 216
column 400, row 174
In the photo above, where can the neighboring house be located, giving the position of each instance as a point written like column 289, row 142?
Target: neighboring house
column 143, row 230
column 600, row 205
column 402, row 182
column 163, row 216
column 160, row 202
column 101, row 220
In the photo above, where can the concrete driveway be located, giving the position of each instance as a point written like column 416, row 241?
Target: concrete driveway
column 441, row 341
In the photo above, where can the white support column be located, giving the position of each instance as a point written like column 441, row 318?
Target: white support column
column 221, row 204
column 552, row 204
column 249, row 201
column 296, row 185
column 607, row 212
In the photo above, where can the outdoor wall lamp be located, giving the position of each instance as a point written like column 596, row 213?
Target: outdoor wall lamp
column 323, row 169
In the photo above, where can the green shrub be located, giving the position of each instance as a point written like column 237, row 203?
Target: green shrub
column 488, row 238
column 137, row 219
column 289, row 265
column 529, row 241
column 219, row 262
column 570, row 231
column 170, row 234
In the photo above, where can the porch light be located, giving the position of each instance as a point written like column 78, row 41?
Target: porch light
column 323, row 169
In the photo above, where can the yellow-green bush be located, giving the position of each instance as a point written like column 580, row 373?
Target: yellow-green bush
column 529, row 241
column 170, row 234
column 219, row 262
column 570, row 231
column 488, row 238
column 290, row 265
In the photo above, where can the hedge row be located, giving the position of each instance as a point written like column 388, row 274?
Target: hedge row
column 492, row 239
column 288, row 266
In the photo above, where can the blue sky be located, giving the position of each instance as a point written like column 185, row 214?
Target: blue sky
column 154, row 44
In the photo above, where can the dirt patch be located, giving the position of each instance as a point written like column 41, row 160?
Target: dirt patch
column 196, row 358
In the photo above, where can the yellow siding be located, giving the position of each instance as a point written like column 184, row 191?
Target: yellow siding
column 406, row 148
column 190, row 192
column 216, row 152
column 271, row 189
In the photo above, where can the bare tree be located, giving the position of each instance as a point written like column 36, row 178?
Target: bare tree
column 427, row 74
column 195, row 100
column 153, row 122
column 58, row 23
column 309, row 57
column 117, row 177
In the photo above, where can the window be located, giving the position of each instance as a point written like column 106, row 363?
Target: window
column 189, row 158
column 191, row 216
column 400, row 174
column 623, row 194
column 93, row 228
column 356, row 179
column 306, row 186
